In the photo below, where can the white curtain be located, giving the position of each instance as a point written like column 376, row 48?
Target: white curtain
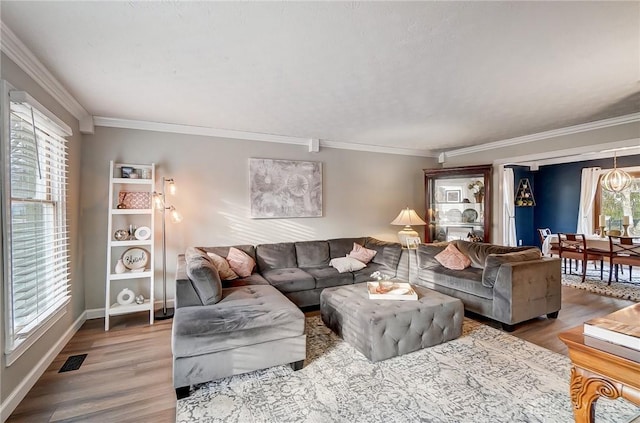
column 588, row 187
column 509, row 231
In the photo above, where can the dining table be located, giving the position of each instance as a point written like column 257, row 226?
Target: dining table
column 593, row 241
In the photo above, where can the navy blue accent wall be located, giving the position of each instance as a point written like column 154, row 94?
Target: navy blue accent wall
column 525, row 224
column 558, row 192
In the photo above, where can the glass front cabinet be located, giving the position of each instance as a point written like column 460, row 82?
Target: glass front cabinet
column 458, row 203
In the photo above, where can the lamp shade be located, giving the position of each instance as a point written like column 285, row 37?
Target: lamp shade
column 408, row 217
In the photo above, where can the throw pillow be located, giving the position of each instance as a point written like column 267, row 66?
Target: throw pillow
column 346, row 264
column 360, row 253
column 225, row 272
column 205, row 280
column 452, row 258
column 240, row 262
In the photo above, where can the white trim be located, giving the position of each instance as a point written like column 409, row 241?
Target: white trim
column 15, row 49
column 20, row 392
column 584, row 127
column 577, row 154
column 251, row 136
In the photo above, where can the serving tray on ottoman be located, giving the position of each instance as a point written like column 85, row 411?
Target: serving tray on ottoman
column 381, row 329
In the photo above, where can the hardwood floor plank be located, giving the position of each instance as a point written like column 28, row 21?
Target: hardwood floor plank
column 127, row 375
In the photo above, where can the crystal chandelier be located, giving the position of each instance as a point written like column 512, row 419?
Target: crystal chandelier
column 616, row 180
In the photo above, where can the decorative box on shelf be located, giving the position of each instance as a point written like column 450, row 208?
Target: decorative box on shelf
column 387, row 290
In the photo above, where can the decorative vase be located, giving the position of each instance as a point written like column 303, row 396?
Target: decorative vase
column 479, row 197
column 120, row 268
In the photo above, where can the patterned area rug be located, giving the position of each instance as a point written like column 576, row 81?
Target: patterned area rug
column 592, row 283
column 484, row 376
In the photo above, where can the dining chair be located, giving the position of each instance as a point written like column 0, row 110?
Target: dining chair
column 574, row 247
column 543, row 233
column 623, row 250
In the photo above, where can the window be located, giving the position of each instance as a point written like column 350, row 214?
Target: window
column 615, row 205
column 35, row 230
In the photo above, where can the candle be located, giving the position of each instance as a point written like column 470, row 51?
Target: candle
column 625, row 220
column 602, row 222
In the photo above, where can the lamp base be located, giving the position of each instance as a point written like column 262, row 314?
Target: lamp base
column 406, row 232
column 161, row 315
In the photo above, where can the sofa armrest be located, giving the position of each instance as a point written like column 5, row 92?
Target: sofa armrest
column 185, row 294
column 528, row 289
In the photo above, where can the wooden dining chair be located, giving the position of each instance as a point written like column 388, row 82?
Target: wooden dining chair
column 574, row 247
column 543, row 233
column 623, row 250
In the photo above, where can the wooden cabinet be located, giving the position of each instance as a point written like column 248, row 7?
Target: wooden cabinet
column 458, row 203
column 130, row 245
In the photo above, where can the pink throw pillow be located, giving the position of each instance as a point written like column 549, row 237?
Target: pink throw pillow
column 452, row 258
column 360, row 253
column 240, row 262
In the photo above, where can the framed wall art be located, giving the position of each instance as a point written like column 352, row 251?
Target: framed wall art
column 285, row 188
column 452, row 196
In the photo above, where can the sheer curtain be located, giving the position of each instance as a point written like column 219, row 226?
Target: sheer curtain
column 509, row 233
column 588, row 187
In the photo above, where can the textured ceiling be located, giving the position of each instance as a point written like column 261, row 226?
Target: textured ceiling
column 420, row 75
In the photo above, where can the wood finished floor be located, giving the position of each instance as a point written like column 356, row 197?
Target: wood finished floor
column 126, row 376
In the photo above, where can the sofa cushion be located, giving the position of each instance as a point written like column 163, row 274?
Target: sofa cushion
column 427, row 253
column 253, row 279
column 240, row 262
column 245, row 316
column 364, row 275
column 388, row 252
column 468, row 280
column 203, row 276
column 312, row 253
column 452, row 258
column 281, row 255
column 224, row 251
column 290, row 279
column 340, row 247
column 346, row 264
column 361, row 253
column 478, row 251
column 494, row 261
column 225, row 272
column 328, row 276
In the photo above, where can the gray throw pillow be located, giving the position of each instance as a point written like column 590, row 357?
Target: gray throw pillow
column 204, row 278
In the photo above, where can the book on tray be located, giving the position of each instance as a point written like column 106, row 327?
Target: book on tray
column 621, row 327
column 387, row 290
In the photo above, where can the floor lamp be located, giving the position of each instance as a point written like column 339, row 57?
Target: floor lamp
column 161, row 204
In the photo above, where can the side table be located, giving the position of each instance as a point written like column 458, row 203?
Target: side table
column 597, row 373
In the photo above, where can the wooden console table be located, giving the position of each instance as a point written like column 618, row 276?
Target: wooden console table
column 596, row 373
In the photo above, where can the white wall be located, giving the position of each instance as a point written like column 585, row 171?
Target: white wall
column 14, row 376
column 362, row 193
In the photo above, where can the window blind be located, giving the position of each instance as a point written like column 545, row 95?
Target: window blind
column 38, row 236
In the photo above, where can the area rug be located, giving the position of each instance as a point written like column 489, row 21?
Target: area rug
column 484, row 376
column 592, row 283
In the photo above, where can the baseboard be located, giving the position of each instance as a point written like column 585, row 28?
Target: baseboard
column 98, row 313
column 11, row 402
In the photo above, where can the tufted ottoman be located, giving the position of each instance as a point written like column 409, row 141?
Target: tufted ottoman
column 381, row 329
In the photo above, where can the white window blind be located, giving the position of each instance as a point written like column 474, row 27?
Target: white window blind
column 35, row 165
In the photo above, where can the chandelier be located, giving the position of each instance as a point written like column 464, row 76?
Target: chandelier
column 616, row 180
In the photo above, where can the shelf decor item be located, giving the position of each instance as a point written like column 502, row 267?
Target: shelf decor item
column 125, row 297
column 120, row 267
column 176, row 217
column 407, row 218
column 135, row 258
column 524, row 194
column 142, row 233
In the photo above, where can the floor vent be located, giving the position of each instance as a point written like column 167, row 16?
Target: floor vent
column 73, row 363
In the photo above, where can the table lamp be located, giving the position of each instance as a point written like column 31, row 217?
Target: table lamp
column 406, row 218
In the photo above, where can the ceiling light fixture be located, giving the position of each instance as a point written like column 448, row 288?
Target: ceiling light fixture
column 616, row 180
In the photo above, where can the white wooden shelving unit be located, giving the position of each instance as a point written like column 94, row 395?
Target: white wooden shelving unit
column 141, row 282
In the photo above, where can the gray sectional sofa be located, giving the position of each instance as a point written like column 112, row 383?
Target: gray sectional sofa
column 507, row 284
column 223, row 328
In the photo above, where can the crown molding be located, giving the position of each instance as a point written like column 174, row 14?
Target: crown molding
column 584, row 127
column 251, row 136
column 15, row 49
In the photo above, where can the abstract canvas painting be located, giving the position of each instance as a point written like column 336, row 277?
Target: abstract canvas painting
column 285, row 188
